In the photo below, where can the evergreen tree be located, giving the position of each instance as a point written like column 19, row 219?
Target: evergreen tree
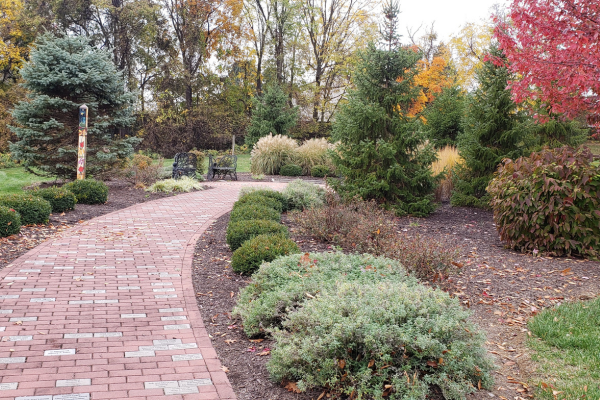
column 444, row 117
column 62, row 74
column 389, row 30
column 381, row 154
column 271, row 114
column 494, row 129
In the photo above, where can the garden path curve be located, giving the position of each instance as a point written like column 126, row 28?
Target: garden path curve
column 108, row 310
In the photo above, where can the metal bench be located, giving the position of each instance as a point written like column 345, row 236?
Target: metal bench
column 184, row 165
column 221, row 167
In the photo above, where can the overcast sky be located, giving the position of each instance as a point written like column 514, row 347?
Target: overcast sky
column 449, row 15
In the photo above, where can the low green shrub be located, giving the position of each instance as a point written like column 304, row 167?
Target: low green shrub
column 6, row 161
column 384, row 340
column 88, row 191
column 301, row 194
column 250, row 211
column 10, row 221
column 266, row 192
column 291, row 170
column 549, row 202
column 32, row 209
column 285, row 284
column 183, row 184
column 320, row 171
column 263, row 248
column 142, row 170
column 240, row 231
column 259, row 199
column 200, row 157
column 59, row 198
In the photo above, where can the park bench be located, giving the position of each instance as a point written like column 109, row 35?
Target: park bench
column 221, row 167
column 184, row 164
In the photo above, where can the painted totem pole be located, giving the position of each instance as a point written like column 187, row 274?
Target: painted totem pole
column 81, row 149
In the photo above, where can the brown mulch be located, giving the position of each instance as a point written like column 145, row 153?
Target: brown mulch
column 503, row 288
column 121, row 194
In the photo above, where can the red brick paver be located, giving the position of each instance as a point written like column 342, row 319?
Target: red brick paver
column 108, row 311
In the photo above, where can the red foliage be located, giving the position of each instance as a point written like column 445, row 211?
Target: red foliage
column 554, row 48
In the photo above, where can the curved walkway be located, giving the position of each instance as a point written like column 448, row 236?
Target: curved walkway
column 109, row 311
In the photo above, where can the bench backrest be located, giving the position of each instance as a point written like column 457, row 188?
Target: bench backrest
column 185, row 160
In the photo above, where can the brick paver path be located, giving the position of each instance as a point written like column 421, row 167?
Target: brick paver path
column 109, row 310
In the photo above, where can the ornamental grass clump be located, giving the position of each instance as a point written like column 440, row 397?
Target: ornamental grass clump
column 33, row 209
column 183, row 184
column 10, row 221
column 447, row 162
column 549, row 202
column 60, row 199
column 313, row 152
column 241, row 231
column 301, row 194
column 271, row 153
column 88, row 191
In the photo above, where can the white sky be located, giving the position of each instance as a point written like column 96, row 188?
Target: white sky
column 449, row 15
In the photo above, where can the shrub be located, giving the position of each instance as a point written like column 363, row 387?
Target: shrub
column 549, row 202
column 262, row 248
column 142, row 170
column 88, row 191
column 286, row 283
column 321, row 171
column 270, row 153
column 200, row 157
column 291, row 170
column 259, row 199
column 59, row 198
column 6, row 161
column 313, row 152
column 240, row 231
column 448, row 160
column 10, row 221
column 250, row 211
column 382, row 340
column 301, row 194
column 266, row 192
column 32, row 209
column 364, row 227
column 183, row 184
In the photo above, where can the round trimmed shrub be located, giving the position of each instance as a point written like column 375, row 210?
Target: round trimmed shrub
column 259, row 199
column 302, row 194
column 239, row 232
column 32, row 209
column 274, row 194
column 59, row 198
column 320, row 171
column 263, row 248
column 251, row 211
column 549, row 202
column 291, row 170
column 88, row 191
column 10, row 221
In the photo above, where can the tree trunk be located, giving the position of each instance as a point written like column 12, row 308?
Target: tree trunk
column 188, row 96
column 317, row 101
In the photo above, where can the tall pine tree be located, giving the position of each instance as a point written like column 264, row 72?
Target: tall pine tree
column 62, row 74
column 381, row 153
column 494, row 129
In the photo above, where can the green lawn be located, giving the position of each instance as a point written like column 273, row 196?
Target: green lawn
column 594, row 146
column 12, row 180
column 567, row 350
column 243, row 163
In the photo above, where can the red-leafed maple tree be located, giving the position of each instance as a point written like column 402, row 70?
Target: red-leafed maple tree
column 553, row 46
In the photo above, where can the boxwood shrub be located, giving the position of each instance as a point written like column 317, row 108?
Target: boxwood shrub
column 88, row 191
column 59, row 198
column 240, row 231
column 10, row 221
column 250, row 211
column 259, row 199
column 263, row 248
column 320, row 171
column 549, row 202
column 291, row 170
column 32, row 209
column 266, row 193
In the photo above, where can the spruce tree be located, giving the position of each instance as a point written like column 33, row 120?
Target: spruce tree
column 494, row 129
column 271, row 114
column 444, row 117
column 62, row 74
column 381, row 153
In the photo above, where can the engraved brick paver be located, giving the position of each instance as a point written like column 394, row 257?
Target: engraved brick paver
column 108, row 310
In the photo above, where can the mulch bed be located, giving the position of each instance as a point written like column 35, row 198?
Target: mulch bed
column 503, row 288
column 121, row 195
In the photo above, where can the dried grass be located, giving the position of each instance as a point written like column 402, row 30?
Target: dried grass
column 271, row 153
column 448, row 160
column 313, row 152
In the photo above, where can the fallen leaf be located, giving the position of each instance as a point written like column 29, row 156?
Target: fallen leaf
column 371, row 363
column 292, row 387
column 432, row 364
column 231, row 294
column 256, row 340
column 342, row 363
column 264, row 353
column 321, row 396
column 230, row 341
column 224, row 369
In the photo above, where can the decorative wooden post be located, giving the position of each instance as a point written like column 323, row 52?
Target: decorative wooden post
column 81, row 149
column 233, row 145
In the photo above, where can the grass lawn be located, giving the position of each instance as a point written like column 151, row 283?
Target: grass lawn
column 12, row 180
column 243, row 163
column 567, row 351
column 594, row 146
